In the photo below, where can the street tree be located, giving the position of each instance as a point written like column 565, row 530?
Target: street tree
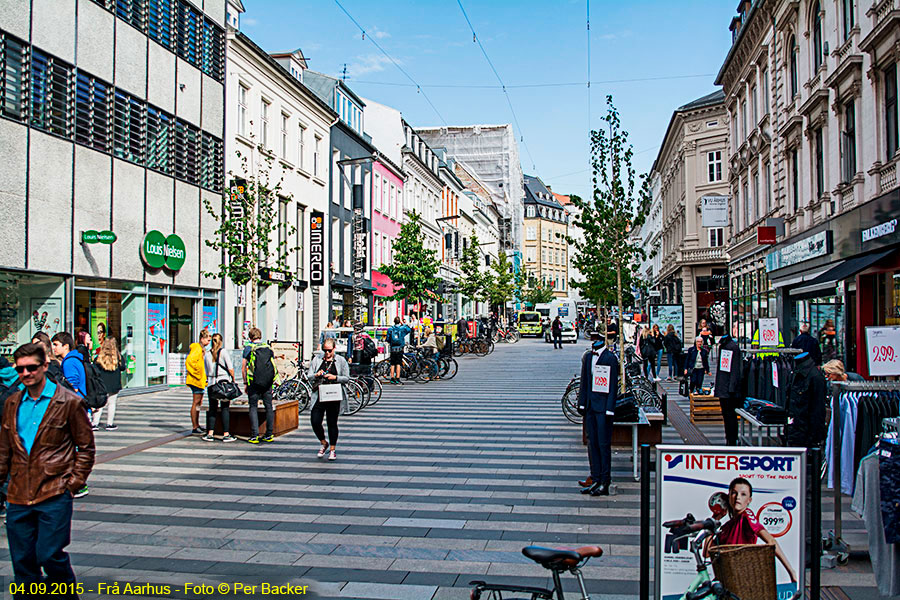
column 520, row 285
column 538, row 292
column 246, row 225
column 414, row 267
column 500, row 282
column 605, row 255
column 472, row 283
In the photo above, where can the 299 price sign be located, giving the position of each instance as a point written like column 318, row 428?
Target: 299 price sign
column 883, row 350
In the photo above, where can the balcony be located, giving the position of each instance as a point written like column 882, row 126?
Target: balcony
column 696, row 256
column 888, row 177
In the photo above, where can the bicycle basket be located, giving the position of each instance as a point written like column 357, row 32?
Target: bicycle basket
column 746, row 570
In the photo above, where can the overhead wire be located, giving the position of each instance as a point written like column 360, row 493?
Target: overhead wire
column 502, row 85
column 535, row 85
column 396, row 64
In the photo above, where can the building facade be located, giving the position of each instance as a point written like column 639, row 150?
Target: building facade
column 811, row 92
column 113, row 152
column 692, row 266
column 546, row 250
column 277, row 125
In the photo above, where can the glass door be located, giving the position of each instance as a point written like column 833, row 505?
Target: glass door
column 181, row 324
column 157, row 340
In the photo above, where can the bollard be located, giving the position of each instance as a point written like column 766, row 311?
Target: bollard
column 645, row 522
column 815, row 525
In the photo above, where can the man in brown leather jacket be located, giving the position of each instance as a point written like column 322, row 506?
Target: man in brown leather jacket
column 47, row 448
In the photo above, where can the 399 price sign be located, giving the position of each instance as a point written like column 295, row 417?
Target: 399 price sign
column 883, row 350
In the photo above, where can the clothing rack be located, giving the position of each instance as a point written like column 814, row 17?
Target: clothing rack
column 837, row 546
column 789, row 351
column 891, row 425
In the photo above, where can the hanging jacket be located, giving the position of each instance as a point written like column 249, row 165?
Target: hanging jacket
column 806, row 426
column 728, row 383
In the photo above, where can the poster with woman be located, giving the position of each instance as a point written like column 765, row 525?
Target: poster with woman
column 756, row 494
column 157, row 340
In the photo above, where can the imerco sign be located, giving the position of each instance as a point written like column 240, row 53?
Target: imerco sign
column 316, row 248
column 158, row 251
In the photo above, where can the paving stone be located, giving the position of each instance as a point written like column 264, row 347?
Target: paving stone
column 388, row 592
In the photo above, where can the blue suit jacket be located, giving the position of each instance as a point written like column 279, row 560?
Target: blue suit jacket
column 591, row 401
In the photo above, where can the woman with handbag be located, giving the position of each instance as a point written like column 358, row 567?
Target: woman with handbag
column 110, row 365
column 221, row 389
column 327, row 374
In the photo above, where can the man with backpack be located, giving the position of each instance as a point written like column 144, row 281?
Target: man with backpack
column 396, row 338
column 259, row 376
column 362, row 351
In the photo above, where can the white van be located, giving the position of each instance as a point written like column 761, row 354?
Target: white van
column 561, row 307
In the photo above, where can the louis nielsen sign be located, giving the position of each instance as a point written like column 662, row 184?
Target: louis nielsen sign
column 158, row 251
column 316, row 248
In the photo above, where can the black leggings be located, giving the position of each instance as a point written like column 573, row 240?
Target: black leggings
column 325, row 409
column 214, row 405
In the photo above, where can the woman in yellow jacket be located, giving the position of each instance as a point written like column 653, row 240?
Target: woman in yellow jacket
column 196, row 378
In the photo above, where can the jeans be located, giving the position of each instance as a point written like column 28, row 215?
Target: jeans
column 650, row 366
column 37, row 535
column 253, row 396
column 673, row 365
column 696, row 380
column 215, row 404
column 557, row 340
column 331, row 410
column 659, row 355
column 599, row 430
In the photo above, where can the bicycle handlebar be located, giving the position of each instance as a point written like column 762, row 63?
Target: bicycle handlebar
column 690, row 525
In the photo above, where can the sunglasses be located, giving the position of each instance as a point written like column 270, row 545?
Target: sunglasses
column 329, row 349
column 29, row 368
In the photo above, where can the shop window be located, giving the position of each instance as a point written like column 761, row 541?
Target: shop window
column 13, row 77
column 181, row 324
column 819, row 140
column 28, row 304
column 890, row 110
column 848, row 142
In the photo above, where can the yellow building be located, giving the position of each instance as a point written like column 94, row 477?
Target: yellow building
column 545, row 229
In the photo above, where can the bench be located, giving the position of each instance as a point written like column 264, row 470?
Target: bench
column 287, row 418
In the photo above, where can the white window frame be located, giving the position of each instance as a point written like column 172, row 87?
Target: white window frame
column 716, row 237
column 243, row 112
column 377, row 191
column 301, row 143
column 316, row 155
column 285, row 120
column 264, row 106
column 714, row 166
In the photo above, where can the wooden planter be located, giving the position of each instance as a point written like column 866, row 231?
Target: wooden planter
column 705, row 409
column 286, row 418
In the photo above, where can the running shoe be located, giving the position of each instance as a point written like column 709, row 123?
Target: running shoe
column 254, row 440
column 208, row 438
column 112, row 427
column 322, row 451
column 332, row 455
column 268, row 438
column 198, row 431
column 229, row 438
column 95, row 428
column 84, row 491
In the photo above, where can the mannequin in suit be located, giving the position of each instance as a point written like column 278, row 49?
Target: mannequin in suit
column 597, row 402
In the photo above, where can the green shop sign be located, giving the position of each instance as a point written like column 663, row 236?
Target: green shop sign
column 158, row 251
column 92, row 236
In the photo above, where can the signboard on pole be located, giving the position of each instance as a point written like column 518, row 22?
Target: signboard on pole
column 714, row 211
column 668, row 314
column 768, row 332
column 757, row 494
column 883, row 350
column 317, row 248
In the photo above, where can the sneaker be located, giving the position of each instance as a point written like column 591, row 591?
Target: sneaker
column 112, row 427
column 84, row 491
column 95, row 428
column 208, row 438
column 198, row 431
column 229, row 438
column 322, row 451
column 254, row 440
column 332, row 455
column 268, row 438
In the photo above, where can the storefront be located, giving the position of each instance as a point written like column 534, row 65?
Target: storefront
column 29, row 303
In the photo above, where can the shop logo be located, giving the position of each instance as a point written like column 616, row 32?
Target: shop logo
column 724, row 462
column 158, row 251
column 97, row 237
column 316, row 248
column 879, row 230
column 674, row 462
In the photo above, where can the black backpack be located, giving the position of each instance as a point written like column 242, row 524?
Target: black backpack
column 369, row 350
column 261, row 367
column 95, row 394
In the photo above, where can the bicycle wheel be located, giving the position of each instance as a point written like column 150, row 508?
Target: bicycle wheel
column 382, row 369
column 304, row 395
column 376, row 389
column 354, row 397
column 449, row 368
column 511, row 338
column 570, row 405
column 490, row 347
column 366, row 391
column 428, row 371
column 287, row 390
column 480, row 348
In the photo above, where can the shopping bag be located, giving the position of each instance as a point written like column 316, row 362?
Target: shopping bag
column 331, row 392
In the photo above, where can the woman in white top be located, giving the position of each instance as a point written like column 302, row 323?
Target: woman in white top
column 218, row 368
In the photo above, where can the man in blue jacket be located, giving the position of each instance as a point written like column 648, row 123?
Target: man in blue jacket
column 72, row 362
column 597, row 402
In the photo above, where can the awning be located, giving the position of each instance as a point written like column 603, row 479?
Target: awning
column 839, row 272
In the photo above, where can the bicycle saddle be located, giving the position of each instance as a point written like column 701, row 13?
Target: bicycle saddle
column 550, row 558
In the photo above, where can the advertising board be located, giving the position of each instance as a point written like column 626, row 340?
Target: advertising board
column 669, row 314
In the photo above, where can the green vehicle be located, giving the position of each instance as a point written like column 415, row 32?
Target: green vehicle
column 530, row 323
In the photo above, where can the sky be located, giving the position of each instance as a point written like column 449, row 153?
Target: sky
column 673, row 48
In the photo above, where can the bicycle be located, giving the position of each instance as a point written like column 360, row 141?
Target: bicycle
column 703, row 585
column 508, row 335
column 296, row 388
column 557, row 561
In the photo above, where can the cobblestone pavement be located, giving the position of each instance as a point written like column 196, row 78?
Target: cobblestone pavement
column 436, row 485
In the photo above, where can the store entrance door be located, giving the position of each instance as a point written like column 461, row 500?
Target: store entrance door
column 181, row 324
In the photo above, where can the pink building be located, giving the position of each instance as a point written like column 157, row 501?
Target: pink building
column 387, row 215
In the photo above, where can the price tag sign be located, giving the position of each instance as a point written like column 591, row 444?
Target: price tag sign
column 775, row 375
column 775, row 518
column 883, row 350
column 725, row 361
column 768, row 332
column 601, row 379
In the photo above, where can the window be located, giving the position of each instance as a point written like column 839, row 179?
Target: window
column 243, row 114
column 299, row 254
column 188, row 33
column 159, row 140
column 212, row 53
column 765, row 90
column 264, row 123
column 284, row 135
column 51, row 95
column 754, row 202
column 744, row 119
column 128, row 128
column 746, row 198
column 849, row 19
column 890, row 110
column 817, row 52
column 711, row 124
column 335, row 243
column 347, row 248
column 301, row 142
column 848, row 143
column 529, row 254
column 795, row 179
column 160, row 16
column 132, row 12
column 794, row 75
column 820, row 162
column 377, row 259
column 13, row 77
column 384, row 199
column 716, row 236
column 543, row 256
column 212, row 176
column 530, row 233
column 376, row 193
column 186, row 151
column 754, row 104
column 767, row 198
column 92, row 114
column 714, row 162
column 316, row 156
column 530, row 212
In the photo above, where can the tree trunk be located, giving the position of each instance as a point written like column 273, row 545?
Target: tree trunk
column 621, row 328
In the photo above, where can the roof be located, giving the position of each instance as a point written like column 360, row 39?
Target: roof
column 712, row 99
column 334, row 82
column 533, row 187
column 562, row 199
column 740, row 36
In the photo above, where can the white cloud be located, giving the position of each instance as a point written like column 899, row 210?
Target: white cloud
column 249, row 21
column 369, row 63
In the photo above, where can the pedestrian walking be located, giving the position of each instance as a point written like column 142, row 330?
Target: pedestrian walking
column 647, row 347
column 195, row 366
column 220, row 369
column 808, row 343
column 658, row 343
column 728, row 384
column 697, row 365
column 54, row 368
column 49, row 469
column 259, row 374
column 673, row 347
column 328, row 332
column 71, row 361
column 597, row 403
column 110, row 365
column 396, row 338
column 462, row 329
column 328, row 373
column 556, row 333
